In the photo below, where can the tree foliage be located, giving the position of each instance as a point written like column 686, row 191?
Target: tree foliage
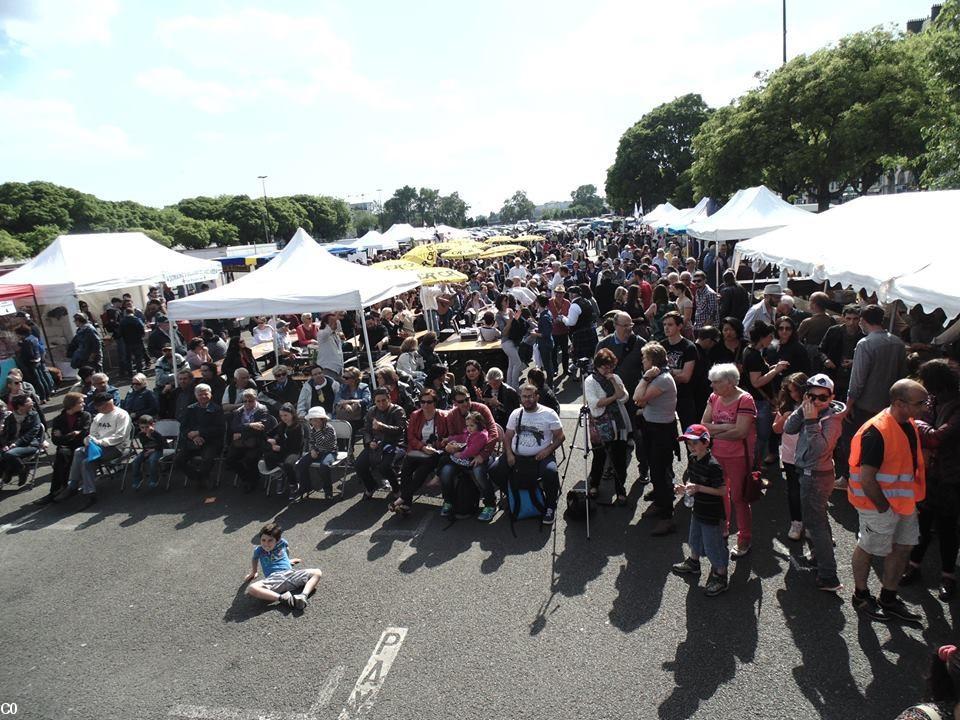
column 425, row 206
column 517, row 207
column 654, row 154
column 33, row 214
column 941, row 59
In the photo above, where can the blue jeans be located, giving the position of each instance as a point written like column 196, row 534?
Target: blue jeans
column 12, row 459
column 815, row 490
column 152, row 461
column 448, row 482
column 707, row 540
column 546, row 473
column 546, row 359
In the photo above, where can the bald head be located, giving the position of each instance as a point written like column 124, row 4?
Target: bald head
column 907, row 399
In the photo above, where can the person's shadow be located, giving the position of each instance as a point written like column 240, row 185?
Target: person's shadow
column 721, row 631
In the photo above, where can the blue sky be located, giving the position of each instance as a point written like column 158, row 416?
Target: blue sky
column 162, row 100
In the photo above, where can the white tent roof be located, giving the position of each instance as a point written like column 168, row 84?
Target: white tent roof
column 861, row 243
column 451, row 232
column 302, row 277
column 76, row 264
column 373, row 240
column 749, row 213
column 659, row 212
column 681, row 220
column 404, row 231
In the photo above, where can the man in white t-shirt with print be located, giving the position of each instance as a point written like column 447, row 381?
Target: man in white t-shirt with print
column 532, row 435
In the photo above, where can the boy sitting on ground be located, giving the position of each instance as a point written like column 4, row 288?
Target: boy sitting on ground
column 281, row 583
column 705, row 483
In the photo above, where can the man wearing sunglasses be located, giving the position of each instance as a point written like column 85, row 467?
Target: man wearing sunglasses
column 819, row 422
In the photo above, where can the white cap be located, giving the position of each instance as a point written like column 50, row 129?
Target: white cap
column 822, row 381
column 316, row 413
column 773, row 289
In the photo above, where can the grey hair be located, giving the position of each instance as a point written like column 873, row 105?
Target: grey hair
column 249, row 392
column 100, row 376
column 202, row 387
column 724, row 371
column 494, row 373
column 240, row 372
column 140, row 377
column 787, row 300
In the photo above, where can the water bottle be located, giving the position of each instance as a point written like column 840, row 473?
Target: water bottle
column 688, row 500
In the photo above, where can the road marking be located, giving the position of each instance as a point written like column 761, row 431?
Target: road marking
column 199, row 712
column 29, row 525
column 371, row 679
column 329, row 687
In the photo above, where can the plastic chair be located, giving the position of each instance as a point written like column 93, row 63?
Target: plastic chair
column 345, row 457
column 269, row 475
column 170, row 430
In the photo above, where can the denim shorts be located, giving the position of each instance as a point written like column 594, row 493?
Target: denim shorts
column 707, row 540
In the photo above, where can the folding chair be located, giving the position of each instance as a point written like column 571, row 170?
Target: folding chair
column 269, row 475
column 345, row 458
column 169, row 430
column 110, row 468
column 33, row 462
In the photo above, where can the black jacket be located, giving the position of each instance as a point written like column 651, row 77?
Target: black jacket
column 734, row 301
column 59, row 429
column 273, row 396
column 209, row 422
column 31, row 431
column 289, row 438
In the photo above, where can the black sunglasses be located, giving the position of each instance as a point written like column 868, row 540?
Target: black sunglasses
column 818, row 397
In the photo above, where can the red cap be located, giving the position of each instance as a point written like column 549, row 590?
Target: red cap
column 696, row 432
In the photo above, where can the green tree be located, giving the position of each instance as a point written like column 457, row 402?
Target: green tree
column 248, row 217
column 288, row 215
column 363, row 222
column 203, row 208
column 39, row 237
column 12, row 248
column 191, row 234
column 401, row 208
column 654, row 153
column 222, row 233
column 517, row 207
column 942, row 61
column 427, row 205
column 586, row 200
column 452, row 210
column 154, row 234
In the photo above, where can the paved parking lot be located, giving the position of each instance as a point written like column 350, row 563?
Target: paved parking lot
column 137, row 610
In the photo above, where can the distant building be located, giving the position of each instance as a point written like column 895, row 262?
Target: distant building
column 921, row 24
column 369, row 206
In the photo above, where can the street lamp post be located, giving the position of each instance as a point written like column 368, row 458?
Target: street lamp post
column 266, row 232
column 784, row 32
column 380, row 207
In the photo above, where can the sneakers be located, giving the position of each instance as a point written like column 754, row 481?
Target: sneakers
column 548, row 516
column 739, row 552
column 299, row 601
column 869, row 606
column 88, row 501
column 829, row 584
column 948, row 588
column 688, row 566
column 898, row 609
column 716, row 584
column 486, row 515
column 446, row 510
column 287, row 599
column 840, row 483
column 796, row 530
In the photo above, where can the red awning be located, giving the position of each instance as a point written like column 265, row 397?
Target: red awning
column 14, row 292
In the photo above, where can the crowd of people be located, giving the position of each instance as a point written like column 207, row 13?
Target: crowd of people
column 669, row 363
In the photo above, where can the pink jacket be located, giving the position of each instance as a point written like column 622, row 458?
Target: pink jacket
column 475, row 443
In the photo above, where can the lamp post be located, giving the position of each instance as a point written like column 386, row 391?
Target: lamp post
column 263, row 184
column 380, row 207
column 784, row 32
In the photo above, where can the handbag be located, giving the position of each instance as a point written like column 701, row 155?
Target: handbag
column 603, row 429
column 349, row 410
column 754, row 485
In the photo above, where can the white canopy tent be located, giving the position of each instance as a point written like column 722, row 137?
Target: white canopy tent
column 862, row 244
column 74, row 265
column 373, row 240
column 750, row 212
column 402, row 232
column 682, row 219
column 661, row 211
column 302, row 277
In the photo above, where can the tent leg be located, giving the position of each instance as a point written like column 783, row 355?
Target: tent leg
column 366, row 344
column 276, row 343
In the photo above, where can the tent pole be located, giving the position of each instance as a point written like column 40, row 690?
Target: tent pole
column 366, row 344
column 43, row 328
column 276, row 342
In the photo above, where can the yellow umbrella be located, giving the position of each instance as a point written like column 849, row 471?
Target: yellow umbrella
column 422, row 254
column 401, row 265
column 464, row 252
column 438, row 275
column 528, row 239
column 428, row 275
column 495, row 251
column 499, row 239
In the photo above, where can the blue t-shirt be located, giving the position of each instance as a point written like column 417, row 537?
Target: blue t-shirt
column 274, row 561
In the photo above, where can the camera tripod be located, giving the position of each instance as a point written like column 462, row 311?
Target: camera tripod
column 583, row 425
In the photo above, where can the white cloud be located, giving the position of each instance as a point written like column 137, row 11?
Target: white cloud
column 52, row 128
column 253, row 55
column 38, row 28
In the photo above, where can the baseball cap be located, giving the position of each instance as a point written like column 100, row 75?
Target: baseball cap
column 822, row 381
column 316, row 413
column 696, row 432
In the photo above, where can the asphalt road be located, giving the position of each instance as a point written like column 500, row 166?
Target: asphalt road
column 137, row 610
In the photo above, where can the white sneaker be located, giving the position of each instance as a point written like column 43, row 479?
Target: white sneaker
column 840, row 483
column 796, row 530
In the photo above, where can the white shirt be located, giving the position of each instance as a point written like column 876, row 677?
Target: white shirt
column 758, row 312
column 573, row 314
column 262, row 335
column 535, row 432
column 429, row 295
column 111, row 429
column 518, row 271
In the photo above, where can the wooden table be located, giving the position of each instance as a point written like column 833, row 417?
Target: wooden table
column 454, row 344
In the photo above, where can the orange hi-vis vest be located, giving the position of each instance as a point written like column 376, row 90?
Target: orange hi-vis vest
column 903, row 484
